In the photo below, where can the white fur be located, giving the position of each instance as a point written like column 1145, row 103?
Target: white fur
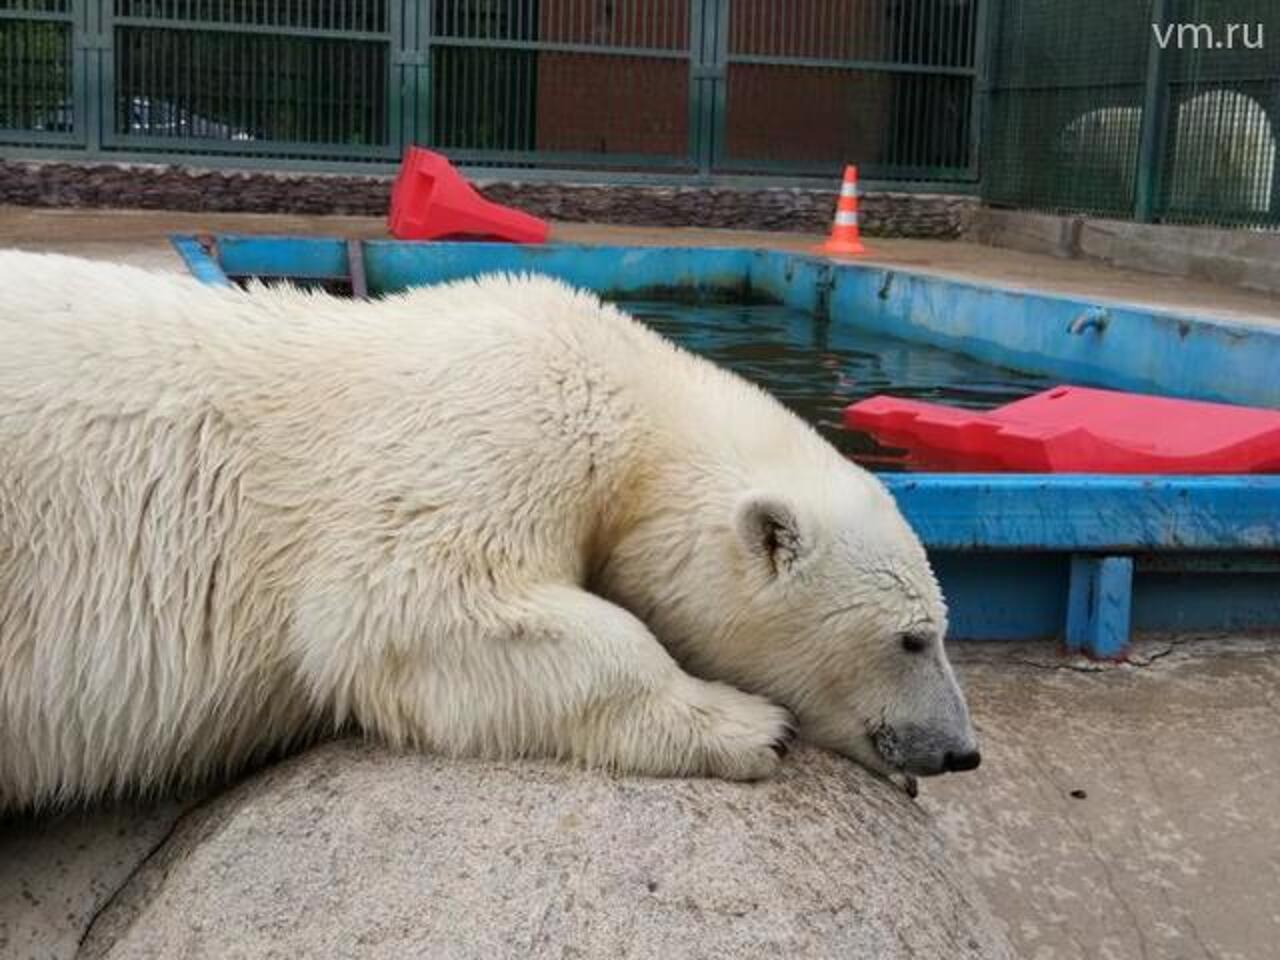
column 455, row 518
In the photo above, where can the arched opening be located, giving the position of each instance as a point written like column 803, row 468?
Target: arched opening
column 1223, row 152
column 1220, row 157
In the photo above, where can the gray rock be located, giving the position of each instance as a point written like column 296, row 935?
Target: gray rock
column 349, row 851
column 157, row 187
column 57, row 871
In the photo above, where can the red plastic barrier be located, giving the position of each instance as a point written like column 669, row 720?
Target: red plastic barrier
column 1078, row 430
column 431, row 201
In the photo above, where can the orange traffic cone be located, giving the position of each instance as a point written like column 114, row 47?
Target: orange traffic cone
column 844, row 231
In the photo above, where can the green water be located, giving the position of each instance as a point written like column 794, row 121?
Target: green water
column 818, row 368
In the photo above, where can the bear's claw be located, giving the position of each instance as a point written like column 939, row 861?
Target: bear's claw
column 782, row 745
column 743, row 736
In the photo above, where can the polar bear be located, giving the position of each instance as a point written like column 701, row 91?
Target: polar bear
column 491, row 518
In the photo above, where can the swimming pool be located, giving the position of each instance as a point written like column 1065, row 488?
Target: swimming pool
column 1087, row 559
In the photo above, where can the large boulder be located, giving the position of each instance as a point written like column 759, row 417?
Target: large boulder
column 350, row 851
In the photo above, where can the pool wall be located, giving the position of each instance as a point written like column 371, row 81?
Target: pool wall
column 1090, row 560
column 1090, row 342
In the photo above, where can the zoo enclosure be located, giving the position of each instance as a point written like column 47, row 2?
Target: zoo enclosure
column 685, row 87
column 1159, row 110
column 1071, row 107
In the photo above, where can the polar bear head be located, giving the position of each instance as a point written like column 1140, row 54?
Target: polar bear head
column 818, row 595
column 842, row 620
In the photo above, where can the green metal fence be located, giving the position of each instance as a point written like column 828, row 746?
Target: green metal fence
column 1160, row 110
column 679, row 86
column 890, row 84
column 39, row 65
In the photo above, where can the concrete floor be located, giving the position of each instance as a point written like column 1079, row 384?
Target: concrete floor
column 1124, row 811
column 1120, row 812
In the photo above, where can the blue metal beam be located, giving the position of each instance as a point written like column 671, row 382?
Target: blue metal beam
column 610, row 271
column 202, row 266
column 1099, row 597
column 300, row 258
column 1090, row 512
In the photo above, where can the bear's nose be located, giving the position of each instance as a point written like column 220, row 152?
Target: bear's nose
column 957, row 762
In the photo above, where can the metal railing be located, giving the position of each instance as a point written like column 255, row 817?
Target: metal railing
column 685, row 87
column 1157, row 110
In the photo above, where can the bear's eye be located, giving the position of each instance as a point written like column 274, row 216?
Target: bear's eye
column 915, row 643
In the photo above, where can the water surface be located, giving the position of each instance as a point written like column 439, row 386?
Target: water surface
column 818, row 368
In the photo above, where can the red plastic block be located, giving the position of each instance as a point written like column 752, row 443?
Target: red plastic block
column 1078, row 430
column 431, row 201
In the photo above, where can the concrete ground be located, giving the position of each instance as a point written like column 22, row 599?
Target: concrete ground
column 1120, row 812
column 1124, row 811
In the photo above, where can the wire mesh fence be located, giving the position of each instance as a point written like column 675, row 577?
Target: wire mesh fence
column 1161, row 110
column 682, row 86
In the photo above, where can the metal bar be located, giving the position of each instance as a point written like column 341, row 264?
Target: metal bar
column 980, row 96
column 656, row 53
column 1207, row 563
column 873, row 66
column 448, row 99
column 697, row 95
column 79, row 65
column 1117, row 514
column 37, row 138
column 355, row 266
column 425, row 76
column 201, row 261
column 470, row 99
column 194, row 146
column 1049, row 87
column 1155, row 99
column 718, row 83
column 37, row 16
column 203, row 26
column 887, row 173
column 99, row 76
column 300, row 258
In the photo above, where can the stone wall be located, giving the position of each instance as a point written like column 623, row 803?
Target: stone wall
column 153, row 187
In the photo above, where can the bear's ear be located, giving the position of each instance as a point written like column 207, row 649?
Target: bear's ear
column 768, row 526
